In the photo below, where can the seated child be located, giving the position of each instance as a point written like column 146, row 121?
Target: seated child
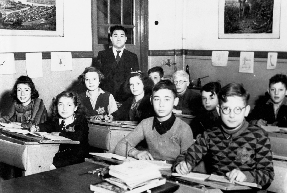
column 274, row 111
column 27, row 108
column 137, row 107
column 67, row 120
column 208, row 117
column 156, row 74
column 166, row 135
column 98, row 103
column 189, row 101
column 236, row 150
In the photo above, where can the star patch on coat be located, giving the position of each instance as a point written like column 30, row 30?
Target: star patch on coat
column 101, row 110
column 243, row 155
column 70, row 129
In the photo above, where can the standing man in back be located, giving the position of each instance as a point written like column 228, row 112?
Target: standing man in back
column 116, row 63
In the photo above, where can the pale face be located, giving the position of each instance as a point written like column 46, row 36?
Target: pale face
column 155, row 77
column 24, row 94
column 136, row 86
column 232, row 120
column 92, row 81
column 163, row 102
column 118, row 39
column 209, row 100
column 181, row 84
column 66, row 107
column 277, row 92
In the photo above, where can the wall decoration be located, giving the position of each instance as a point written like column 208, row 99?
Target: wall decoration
column 34, row 65
column 272, row 60
column 249, row 19
column 246, row 62
column 61, row 61
column 32, row 18
column 7, row 63
column 219, row 58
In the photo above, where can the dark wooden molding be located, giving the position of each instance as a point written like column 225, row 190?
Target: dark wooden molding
column 47, row 55
column 259, row 54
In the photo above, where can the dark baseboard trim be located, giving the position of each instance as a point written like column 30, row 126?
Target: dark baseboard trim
column 281, row 55
column 47, row 55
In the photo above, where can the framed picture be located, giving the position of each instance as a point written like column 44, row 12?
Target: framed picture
column 249, row 19
column 32, row 18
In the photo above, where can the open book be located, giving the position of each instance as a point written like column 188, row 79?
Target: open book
column 206, row 178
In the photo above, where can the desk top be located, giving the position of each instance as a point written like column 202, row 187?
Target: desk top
column 65, row 180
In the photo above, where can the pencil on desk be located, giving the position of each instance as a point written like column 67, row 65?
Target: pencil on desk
column 127, row 150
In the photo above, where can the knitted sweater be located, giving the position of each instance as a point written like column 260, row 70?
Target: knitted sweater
column 34, row 113
column 248, row 150
column 162, row 147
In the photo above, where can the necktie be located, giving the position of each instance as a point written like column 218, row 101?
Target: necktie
column 118, row 56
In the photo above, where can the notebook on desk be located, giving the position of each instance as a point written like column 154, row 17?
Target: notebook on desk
column 215, row 181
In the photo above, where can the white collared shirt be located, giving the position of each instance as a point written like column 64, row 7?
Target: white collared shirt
column 115, row 51
column 68, row 121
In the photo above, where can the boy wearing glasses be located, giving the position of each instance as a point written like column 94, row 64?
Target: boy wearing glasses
column 189, row 101
column 238, row 151
column 274, row 111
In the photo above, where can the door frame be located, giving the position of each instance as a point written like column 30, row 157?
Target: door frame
column 142, row 31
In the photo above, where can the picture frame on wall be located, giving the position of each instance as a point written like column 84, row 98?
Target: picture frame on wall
column 249, row 19
column 32, row 18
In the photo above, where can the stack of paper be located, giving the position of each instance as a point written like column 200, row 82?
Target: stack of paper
column 134, row 173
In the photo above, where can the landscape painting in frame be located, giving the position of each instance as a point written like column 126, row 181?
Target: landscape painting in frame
column 249, row 19
column 32, row 18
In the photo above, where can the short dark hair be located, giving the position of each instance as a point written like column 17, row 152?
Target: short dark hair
column 117, row 27
column 81, row 78
column 213, row 87
column 233, row 89
column 25, row 80
column 165, row 84
column 278, row 78
column 68, row 94
column 156, row 69
column 146, row 80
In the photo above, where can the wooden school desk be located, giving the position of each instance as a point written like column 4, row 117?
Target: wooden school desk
column 106, row 136
column 27, row 153
column 70, row 179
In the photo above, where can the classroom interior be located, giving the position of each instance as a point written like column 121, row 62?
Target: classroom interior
column 177, row 33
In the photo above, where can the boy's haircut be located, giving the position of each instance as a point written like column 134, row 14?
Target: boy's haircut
column 25, row 80
column 213, row 87
column 165, row 84
column 81, row 78
column 278, row 78
column 233, row 89
column 67, row 94
column 146, row 80
column 117, row 27
column 180, row 73
column 156, row 69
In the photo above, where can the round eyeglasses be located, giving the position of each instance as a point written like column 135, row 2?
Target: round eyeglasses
column 179, row 82
column 227, row 110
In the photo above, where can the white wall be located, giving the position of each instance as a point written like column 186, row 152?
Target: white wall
column 198, row 21
column 77, row 33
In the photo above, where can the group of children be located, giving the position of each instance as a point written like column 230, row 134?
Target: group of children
column 222, row 131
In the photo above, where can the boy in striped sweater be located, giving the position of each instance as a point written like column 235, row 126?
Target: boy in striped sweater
column 237, row 150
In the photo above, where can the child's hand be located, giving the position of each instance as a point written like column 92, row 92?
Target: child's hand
column 178, row 112
column 261, row 122
column 183, row 168
column 144, row 155
column 236, row 175
column 34, row 129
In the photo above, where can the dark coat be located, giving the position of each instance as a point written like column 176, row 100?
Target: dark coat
column 144, row 110
column 69, row 154
column 116, row 74
column 189, row 103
